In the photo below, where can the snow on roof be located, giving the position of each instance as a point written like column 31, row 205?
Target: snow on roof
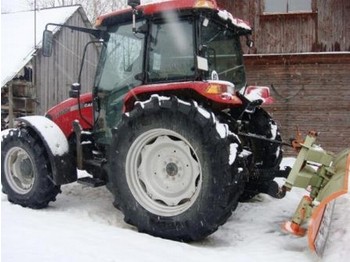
column 17, row 36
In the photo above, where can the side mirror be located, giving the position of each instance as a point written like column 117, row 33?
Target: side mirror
column 249, row 42
column 47, row 43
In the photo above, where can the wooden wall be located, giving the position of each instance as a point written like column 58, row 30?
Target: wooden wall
column 333, row 25
column 55, row 74
column 326, row 28
column 306, row 57
column 310, row 91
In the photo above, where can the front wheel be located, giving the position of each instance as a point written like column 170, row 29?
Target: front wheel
column 173, row 169
column 25, row 170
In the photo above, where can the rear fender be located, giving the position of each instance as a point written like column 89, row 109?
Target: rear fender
column 221, row 94
column 55, row 142
column 258, row 92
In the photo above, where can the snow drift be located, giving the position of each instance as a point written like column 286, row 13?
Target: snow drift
column 83, row 225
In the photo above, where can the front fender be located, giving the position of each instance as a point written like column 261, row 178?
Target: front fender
column 67, row 111
column 63, row 168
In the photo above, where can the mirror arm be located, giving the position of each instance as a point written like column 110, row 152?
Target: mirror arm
column 83, row 58
column 95, row 32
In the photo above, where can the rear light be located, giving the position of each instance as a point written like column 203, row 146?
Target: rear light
column 223, row 90
column 214, row 89
column 205, row 4
column 217, row 88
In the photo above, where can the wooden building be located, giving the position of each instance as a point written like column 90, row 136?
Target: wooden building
column 31, row 83
column 302, row 47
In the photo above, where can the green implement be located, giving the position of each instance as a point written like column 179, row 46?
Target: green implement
column 325, row 175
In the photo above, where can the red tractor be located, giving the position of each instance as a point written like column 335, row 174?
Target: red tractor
column 171, row 126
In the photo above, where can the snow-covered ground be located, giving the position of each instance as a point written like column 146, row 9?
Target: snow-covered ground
column 83, row 225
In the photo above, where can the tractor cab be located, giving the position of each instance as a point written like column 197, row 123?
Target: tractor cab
column 167, row 47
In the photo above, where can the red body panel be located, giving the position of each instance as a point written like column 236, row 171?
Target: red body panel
column 174, row 88
column 67, row 111
column 178, row 4
column 221, row 100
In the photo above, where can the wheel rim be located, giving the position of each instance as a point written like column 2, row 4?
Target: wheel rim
column 19, row 170
column 163, row 172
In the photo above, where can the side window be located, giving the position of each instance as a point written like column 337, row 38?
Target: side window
column 171, row 51
column 287, row 6
column 122, row 59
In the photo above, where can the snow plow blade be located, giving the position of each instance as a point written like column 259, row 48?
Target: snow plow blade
column 326, row 177
column 321, row 217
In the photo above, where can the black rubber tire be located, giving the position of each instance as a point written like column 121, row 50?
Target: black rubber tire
column 42, row 190
column 221, row 183
column 267, row 155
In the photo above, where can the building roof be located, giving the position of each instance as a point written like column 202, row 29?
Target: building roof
column 17, row 36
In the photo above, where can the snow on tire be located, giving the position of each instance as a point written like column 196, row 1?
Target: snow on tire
column 25, row 174
column 173, row 169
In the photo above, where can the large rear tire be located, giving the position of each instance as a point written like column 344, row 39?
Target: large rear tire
column 25, row 169
column 173, row 169
column 267, row 155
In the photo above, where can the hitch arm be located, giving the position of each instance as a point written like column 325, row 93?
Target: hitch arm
column 264, row 138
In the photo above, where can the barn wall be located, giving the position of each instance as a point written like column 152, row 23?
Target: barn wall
column 326, row 28
column 333, row 25
column 306, row 57
column 310, row 91
column 55, row 74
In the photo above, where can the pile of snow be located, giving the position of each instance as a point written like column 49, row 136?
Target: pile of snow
column 83, row 225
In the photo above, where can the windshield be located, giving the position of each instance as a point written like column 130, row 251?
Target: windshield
column 221, row 46
column 171, row 54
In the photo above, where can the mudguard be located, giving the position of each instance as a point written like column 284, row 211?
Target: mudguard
column 63, row 168
column 67, row 111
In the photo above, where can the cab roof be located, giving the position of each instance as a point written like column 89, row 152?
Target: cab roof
column 149, row 10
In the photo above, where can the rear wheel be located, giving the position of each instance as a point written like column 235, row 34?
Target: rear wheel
column 173, row 170
column 25, row 171
column 267, row 155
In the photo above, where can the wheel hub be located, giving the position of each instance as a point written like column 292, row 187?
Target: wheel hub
column 168, row 172
column 19, row 170
column 171, row 169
